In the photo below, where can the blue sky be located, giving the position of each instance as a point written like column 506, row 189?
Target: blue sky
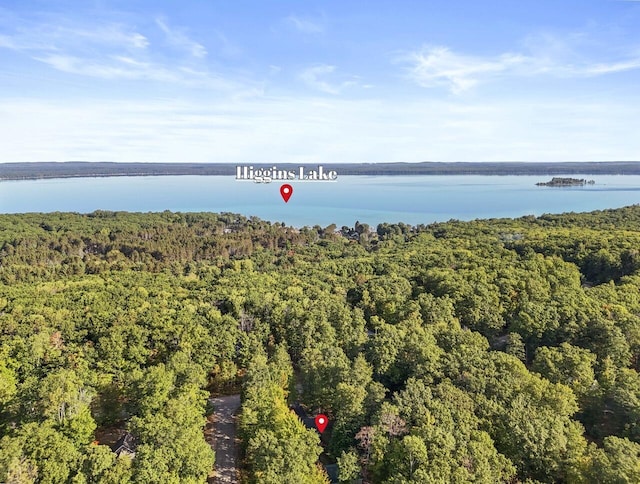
column 319, row 81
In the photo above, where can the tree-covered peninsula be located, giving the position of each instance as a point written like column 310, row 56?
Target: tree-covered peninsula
column 502, row 350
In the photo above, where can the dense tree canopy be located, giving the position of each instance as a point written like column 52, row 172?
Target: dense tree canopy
column 485, row 351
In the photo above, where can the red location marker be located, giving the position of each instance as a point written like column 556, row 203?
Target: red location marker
column 321, row 422
column 286, row 191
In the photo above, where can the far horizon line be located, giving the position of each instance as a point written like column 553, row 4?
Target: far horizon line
column 311, row 162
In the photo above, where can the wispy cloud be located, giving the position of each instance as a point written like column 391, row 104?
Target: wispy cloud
column 180, row 40
column 35, row 37
column 115, row 35
column 316, row 78
column 118, row 67
column 305, row 25
column 116, row 51
column 598, row 69
column 433, row 66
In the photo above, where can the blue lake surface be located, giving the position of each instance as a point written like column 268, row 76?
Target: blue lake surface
column 368, row 199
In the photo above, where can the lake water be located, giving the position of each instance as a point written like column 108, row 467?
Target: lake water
column 368, row 199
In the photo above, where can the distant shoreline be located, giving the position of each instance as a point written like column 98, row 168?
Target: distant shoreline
column 75, row 169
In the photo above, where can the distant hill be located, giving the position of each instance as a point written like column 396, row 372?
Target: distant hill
column 22, row 171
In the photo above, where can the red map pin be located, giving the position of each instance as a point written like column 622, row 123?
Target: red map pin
column 321, row 422
column 286, row 191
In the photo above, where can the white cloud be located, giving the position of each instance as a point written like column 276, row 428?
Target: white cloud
column 312, row 77
column 62, row 33
column 305, row 25
column 114, row 35
column 118, row 67
column 61, row 37
column 180, row 40
column 434, row 66
column 598, row 69
column 316, row 78
column 115, row 51
column 139, row 41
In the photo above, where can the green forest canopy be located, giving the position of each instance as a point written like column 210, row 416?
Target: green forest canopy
column 486, row 351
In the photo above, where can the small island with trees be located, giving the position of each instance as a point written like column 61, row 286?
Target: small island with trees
column 566, row 182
